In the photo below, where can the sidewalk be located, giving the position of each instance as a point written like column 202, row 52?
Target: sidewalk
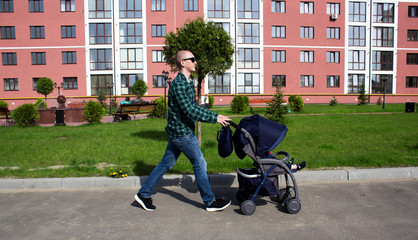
column 217, row 180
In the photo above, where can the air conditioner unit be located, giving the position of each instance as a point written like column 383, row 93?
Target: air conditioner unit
column 334, row 16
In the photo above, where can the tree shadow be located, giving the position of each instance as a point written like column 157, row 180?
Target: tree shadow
column 152, row 135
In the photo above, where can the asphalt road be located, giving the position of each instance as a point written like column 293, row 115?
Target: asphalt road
column 347, row 210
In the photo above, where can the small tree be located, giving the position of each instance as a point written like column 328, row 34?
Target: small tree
column 44, row 86
column 379, row 101
column 40, row 104
column 333, row 101
column 362, row 99
column 239, row 103
column 276, row 111
column 3, row 104
column 93, row 111
column 102, row 98
column 26, row 115
column 139, row 88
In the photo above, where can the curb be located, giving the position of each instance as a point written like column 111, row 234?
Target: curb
column 224, row 180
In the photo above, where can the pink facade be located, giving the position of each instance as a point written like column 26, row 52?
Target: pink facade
column 174, row 15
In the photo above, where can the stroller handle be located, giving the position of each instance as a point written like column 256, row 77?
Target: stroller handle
column 235, row 125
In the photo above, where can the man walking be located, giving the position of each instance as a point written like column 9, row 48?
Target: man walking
column 183, row 111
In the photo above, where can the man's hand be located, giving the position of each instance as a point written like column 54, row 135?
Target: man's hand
column 223, row 120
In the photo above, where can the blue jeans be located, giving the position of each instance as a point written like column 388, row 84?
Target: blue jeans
column 190, row 147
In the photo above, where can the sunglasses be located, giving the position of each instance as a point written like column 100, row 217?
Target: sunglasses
column 193, row 59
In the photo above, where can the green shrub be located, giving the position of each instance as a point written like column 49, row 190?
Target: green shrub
column 296, row 103
column 333, row 101
column 139, row 88
column 93, row 111
column 40, row 104
column 379, row 101
column 211, row 101
column 275, row 110
column 159, row 109
column 239, row 103
column 102, row 98
column 362, row 98
column 44, row 86
column 4, row 104
column 26, row 115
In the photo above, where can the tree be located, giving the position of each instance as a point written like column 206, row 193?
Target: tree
column 210, row 44
column 139, row 88
column 362, row 98
column 44, row 86
column 276, row 111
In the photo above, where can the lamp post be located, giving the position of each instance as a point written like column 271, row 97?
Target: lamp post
column 384, row 79
column 110, row 85
column 165, row 76
column 59, row 86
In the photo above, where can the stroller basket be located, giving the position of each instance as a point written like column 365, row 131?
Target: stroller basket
column 256, row 136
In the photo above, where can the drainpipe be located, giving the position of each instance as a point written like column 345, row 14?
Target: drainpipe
column 370, row 49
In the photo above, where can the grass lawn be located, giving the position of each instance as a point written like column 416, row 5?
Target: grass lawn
column 323, row 141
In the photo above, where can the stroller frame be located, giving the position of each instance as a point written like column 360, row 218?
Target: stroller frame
column 285, row 196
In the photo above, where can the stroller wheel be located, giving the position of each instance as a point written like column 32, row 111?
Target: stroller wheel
column 247, row 207
column 284, row 195
column 293, row 205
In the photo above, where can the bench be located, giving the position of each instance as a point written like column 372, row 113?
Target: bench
column 258, row 103
column 124, row 110
column 5, row 114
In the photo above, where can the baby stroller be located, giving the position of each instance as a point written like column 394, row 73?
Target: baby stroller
column 256, row 137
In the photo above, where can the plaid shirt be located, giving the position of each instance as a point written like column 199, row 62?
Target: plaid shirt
column 183, row 110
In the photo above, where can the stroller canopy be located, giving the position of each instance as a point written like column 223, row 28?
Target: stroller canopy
column 267, row 135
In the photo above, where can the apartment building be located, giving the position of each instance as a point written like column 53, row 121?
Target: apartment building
column 316, row 49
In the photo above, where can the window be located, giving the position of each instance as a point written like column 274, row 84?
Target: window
column 157, row 56
column 131, row 58
column 333, row 57
column 248, row 58
column 157, row 5
column 383, row 12
column 37, row 32
column 158, row 30
column 8, row 33
column 356, row 36
column 382, row 37
column 248, row 9
column 38, row 58
column 218, row 8
column 67, row 5
column 128, row 80
column 382, row 60
column 412, row 11
column 278, row 56
column 278, row 80
column 36, row 5
column 100, row 33
column 248, row 33
column 9, row 58
column 381, row 82
column 69, row 57
column 130, row 33
column 357, row 11
column 130, row 8
column 333, row 81
column 11, row 84
column 412, row 58
column 412, row 35
column 356, row 60
column 99, row 84
column 225, row 26
column 101, row 59
column 333, row 33
column 306, row 80
column 219, row 83
column 67, row 31
column 191, row 5
column 278, row 31
column 99, row 9
column 6, row 6
column 70, row 82
column 307, row 32
column 157, row 81
column 248, row 83
column 333, row 8
column 278, row 6
column 411, row 82
column 306, row 7
column 34, row 83
column 355, row 82
column 306, row 56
